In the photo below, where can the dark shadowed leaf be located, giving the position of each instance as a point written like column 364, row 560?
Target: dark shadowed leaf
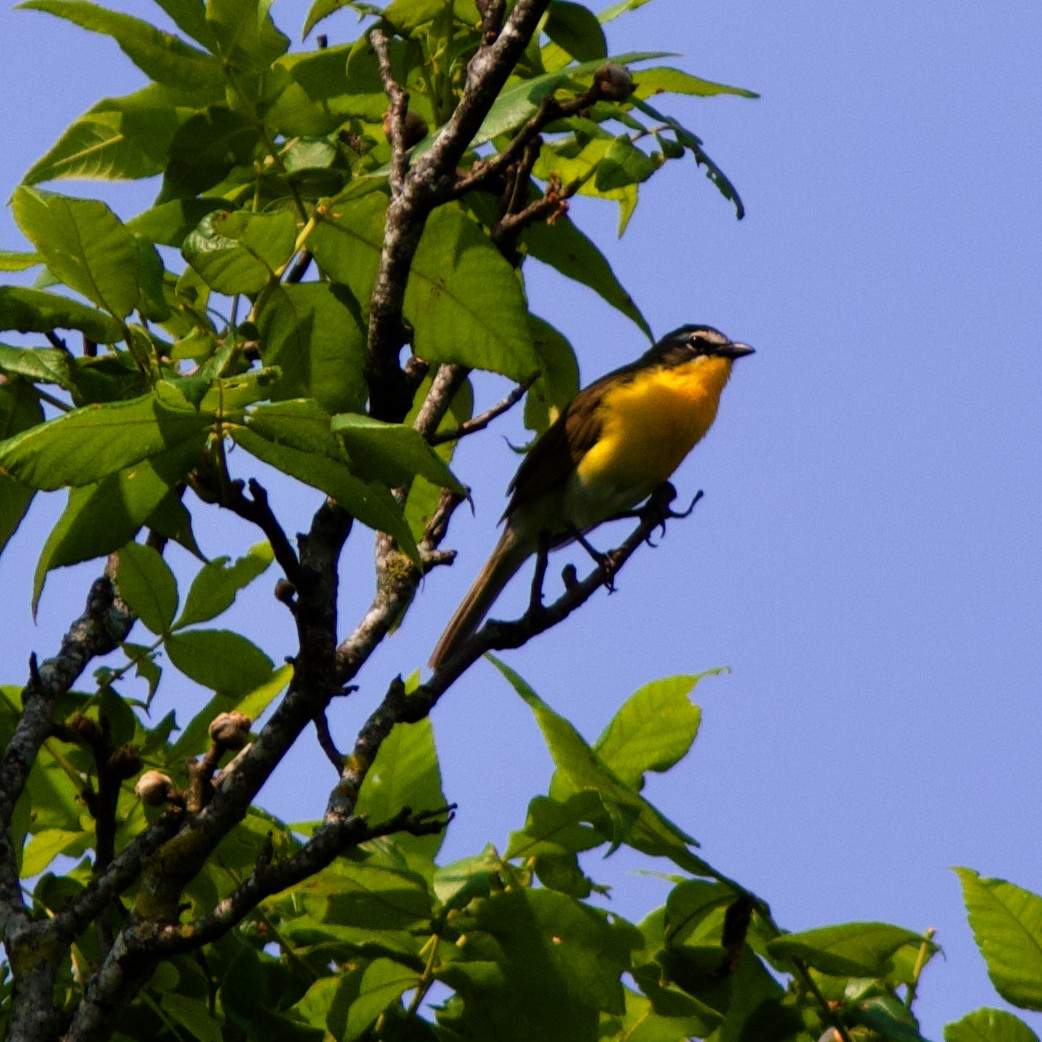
column 314, row 337
column 37, row 311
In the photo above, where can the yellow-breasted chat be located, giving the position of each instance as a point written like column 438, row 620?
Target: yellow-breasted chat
column 614, row 443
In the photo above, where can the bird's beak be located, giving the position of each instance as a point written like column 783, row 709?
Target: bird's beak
column 736, row 350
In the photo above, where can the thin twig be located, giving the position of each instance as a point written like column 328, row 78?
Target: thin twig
column 481, row 421
column 395, row 122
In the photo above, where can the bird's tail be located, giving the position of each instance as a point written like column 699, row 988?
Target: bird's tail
column 508, row 556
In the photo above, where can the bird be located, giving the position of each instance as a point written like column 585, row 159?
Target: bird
column 610, row 447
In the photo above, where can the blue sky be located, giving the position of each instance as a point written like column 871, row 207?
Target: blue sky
column 867, row 558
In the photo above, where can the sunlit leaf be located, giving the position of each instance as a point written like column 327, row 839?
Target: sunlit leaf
column 390, row 452
column 1007, row 925
column 215, row 587
column 148, row 586
column 88, row 444
column 161, row 56
column 220, row 660
column 989, row 1025
column 84, row 244
column 849, row 950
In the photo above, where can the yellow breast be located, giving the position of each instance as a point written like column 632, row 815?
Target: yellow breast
column 649, row 424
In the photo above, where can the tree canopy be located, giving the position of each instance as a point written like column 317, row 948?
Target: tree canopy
column 338, row 240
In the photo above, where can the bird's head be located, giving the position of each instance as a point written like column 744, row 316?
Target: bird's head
column 694, row 341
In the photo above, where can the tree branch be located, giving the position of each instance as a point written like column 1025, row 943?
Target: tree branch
column 423, row 187
column 397, row 707
column 482, row 420
column 399, row 100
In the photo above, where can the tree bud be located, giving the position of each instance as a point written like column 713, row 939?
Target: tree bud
column 614, row 81
column 125, row 762
column 232, row 730
column 154, row 788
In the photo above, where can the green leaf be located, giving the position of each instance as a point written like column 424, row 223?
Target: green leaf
column 424, row 496
column 849, row 950
column 161, row 56
column 380, row 898
column 518, row 102
column 146, row 667
column 205, row 148
column 558, row 380
column 390, row 452
column 558, row 827
column 370, row 503
column 14, row 260
column 535, row 964
column 100, row 518
column 1007, row 925
column 383, row 983
column 695, row 911
column 192, row 1014
column 220, row 660
column 347, row 244
column 694, row 143
column 652, row 731
column 624, row 164
column 84, row 244
column 575, row 29
column 48, row 844
column 633, row 820
column 405, row 773
column 88, row 444
column 123, row 138
column 190, row 17
column 245, row 35
column 672, row 81
column 42, row 365
column 148, row 586
column 239, row 252
column 611, row 13
column 214, row 589
column 669, row 1016
column 314, row 337
column 169, row 224
column 463, row 881
column 36, row 311
column 989, row 1025
column 576, row 157
column 19, row 410
column 464, row 299
column 889, row 1018
column 566, row 249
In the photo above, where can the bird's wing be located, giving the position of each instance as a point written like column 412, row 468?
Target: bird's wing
column 555, row 455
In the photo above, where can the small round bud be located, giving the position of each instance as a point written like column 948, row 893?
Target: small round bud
column 415, row 128
column 125, row 762
column 86, row 728
column 614, row 81
column 154, row 788
column 232, row 730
